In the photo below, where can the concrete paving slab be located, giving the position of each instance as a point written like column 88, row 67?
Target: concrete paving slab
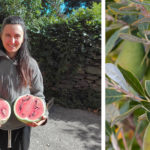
column 68, row 129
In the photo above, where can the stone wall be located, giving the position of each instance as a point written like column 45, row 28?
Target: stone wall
column 87, row 76
column 83, row 88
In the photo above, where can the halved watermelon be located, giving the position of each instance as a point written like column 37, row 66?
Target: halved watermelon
column 29, row 108
column 5, row 111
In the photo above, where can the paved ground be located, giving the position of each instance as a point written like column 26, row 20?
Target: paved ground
column 68, row 129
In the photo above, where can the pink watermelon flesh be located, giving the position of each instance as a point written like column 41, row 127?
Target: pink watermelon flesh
column 29, row 107
column 4, row 110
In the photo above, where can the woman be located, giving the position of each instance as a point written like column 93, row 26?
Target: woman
column 19, row 75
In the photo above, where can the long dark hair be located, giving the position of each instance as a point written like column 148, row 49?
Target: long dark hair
column 23, row 54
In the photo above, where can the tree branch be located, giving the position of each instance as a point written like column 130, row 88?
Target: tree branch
column 119, row 89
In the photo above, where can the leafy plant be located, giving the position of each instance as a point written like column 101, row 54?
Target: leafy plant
column 135, row 92
column 129, row 95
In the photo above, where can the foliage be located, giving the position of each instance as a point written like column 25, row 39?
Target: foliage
column 127, row 20
column 66, row 43
column 52, row 7
column 30, row 11
column 74, row 4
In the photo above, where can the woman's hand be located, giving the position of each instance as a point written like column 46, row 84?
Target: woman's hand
column 41, row 122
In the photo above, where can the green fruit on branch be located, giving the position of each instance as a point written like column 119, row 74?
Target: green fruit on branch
column 131, row 58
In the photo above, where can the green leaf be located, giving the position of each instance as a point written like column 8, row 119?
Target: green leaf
column 125, row 115
column 134, row 136
column 114, row 73
column 132, row 38
column 146, row 105
column 112, row 96
column 142, row 26
column 147, row 86
column 113, row 26
column 125, row 107
column 142, row 3
column 132, row 80
column 146, row 140
column 111, row 41
column 116, row 9
column 142, row 20
column 111, row 112
column 108, row 129
column 148, row 116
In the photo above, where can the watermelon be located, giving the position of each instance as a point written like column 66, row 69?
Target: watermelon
column 29, row 108
column 5, row 111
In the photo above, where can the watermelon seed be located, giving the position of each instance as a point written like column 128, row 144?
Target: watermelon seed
column 36, row 107
column 22, row 114
column 20, row 107
column 33, row 114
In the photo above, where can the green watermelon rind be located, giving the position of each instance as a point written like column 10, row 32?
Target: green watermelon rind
column 3, row 121
column 27, row 120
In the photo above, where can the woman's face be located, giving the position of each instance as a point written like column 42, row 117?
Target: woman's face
column 12, row 38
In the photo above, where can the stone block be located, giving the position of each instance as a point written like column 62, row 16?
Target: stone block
column 93, row 70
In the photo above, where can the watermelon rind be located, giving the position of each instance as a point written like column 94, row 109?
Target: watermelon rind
column 27, row 120
column 3, row 121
